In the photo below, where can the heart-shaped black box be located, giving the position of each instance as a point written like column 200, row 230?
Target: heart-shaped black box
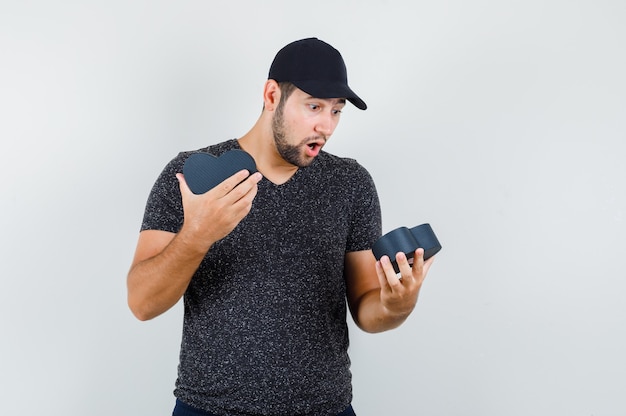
column 203, row 171
column 407, row 241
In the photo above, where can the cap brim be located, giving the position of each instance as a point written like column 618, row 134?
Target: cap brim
column 321, row 89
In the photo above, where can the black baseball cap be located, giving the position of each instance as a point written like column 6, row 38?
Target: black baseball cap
column 316, row 68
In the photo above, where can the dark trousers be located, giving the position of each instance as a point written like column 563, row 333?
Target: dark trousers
column 183, row 409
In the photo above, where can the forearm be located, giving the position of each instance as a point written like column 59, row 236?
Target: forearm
column 372, row 316
column 158, row 282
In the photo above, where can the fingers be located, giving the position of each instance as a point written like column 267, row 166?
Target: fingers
column 418, row 265
column 387, row 275
column 421, row 266
column 427, row 265
column 237, row 182
column 182, row 183
column 404, row 266
column 228, row 185
column 237, row 190
column 410, row 271
column 399, row 291
column 382, row 273
column 213, row 215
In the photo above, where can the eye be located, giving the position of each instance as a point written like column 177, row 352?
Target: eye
column 336, row 112
column 314, row 107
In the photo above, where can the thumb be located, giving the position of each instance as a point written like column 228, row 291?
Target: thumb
column 182, row 183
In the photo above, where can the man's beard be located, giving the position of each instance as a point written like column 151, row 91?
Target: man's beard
column 289, row 152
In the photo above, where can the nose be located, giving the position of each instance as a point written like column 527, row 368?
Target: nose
column 326, row 124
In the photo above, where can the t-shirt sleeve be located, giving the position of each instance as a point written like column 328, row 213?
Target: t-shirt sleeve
column 164, row 208
column 366, row 223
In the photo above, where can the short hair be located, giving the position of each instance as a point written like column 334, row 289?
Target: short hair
column 286, row 89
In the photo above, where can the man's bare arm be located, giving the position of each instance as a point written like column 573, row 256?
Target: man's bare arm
column 164, row 262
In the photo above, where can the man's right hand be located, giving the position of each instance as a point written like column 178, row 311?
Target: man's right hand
column 165, row 262
column 211, row 216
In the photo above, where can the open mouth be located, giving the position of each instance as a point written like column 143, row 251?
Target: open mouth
column 313, row 149
column 317, row 144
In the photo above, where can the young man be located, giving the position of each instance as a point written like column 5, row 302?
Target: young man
column 266, row 261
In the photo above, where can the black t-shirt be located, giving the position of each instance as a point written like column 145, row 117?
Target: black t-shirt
column 265, row 313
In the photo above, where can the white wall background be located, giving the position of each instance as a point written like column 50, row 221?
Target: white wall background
column 502, row 123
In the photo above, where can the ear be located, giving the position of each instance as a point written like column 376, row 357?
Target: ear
column 271, row 95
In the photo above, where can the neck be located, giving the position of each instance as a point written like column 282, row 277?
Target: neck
column 259, row 142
